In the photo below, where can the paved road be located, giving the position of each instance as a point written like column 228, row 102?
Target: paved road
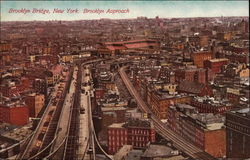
column 84, row 120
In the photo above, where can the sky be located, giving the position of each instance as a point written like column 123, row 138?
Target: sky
column 150, row 9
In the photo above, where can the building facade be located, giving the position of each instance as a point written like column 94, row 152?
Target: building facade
column 238, row 133
column 137, row 133
column 35, row 103
column 15, row 114
column 206, row 131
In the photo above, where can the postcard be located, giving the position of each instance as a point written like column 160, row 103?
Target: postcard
column 124, row 80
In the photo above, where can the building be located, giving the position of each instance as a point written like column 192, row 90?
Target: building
column 135, row 132
column 14, row 111
column 110, row 115
column 195, row 88
column 160, row 101
column 200, row 57
column 204, row 40
column 204, row 130
column 238, row 133
column 191, row 75
column 154, row 152
column 4, row 46
column 35, row 103
column 40, row 86
column 233, row 94
column 12, row 87
column 57, row 73
column 9, row 141
column 210, row 105
column 216, row 64
column 114, row 48
column 5, row 59
column 117, row 137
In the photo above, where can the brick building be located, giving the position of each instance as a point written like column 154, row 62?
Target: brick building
column 233, row 95
column 14, row 111
column 5, row 46
column 238, row 133
column 206, row 131
column 216, row 64
column 209, row 105
column 234, row 57
column 35, row 103
column 160, row 101
column 191, row 75
column 110, row 115
column 200, row 57
column 10, row 88
column 99, row 93
column 40, row 86
column 5, row 59
column 195, row 88
column 134, row 132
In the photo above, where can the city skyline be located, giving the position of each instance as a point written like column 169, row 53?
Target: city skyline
column 150, row 9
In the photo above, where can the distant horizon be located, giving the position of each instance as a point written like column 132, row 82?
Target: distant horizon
column 149, row 9
column 126, row 18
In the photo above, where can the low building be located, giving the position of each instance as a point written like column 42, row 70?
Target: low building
column 123, row 152
column 210, row 105
column 238, row 133
column 216, row 64
column 154, row 152
column 14, row 111
column 191, row 74
column 160, row 101
column 110, row 115
column 196, row 88
column 117, row 137
column 9, row 141
column 137, row 133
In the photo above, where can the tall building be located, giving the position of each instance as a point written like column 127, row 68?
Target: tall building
column 204, row 130
column 238, row 133
column 200, row 57
column 35, row 103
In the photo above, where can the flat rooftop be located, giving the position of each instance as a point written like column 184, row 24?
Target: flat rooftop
column 116, row 125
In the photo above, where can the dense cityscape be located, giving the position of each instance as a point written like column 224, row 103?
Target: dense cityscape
column 125, row 89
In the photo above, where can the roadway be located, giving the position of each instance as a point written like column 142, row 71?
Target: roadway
column 88, row 146
column 62, row 128
column 84, row 120
column 178, row 141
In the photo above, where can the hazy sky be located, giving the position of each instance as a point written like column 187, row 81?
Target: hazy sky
column 163, row 9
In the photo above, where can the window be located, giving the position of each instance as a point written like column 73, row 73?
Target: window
column 243, row 143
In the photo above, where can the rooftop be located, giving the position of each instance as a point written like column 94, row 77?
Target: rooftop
column 123, row 152
column 116, row 125
column 18, row 134
column 243, row 112
column 108, row 109
column 138, row 123
column 158, row 151
column 218, row 60
column 208, row 120
column 212, row 101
